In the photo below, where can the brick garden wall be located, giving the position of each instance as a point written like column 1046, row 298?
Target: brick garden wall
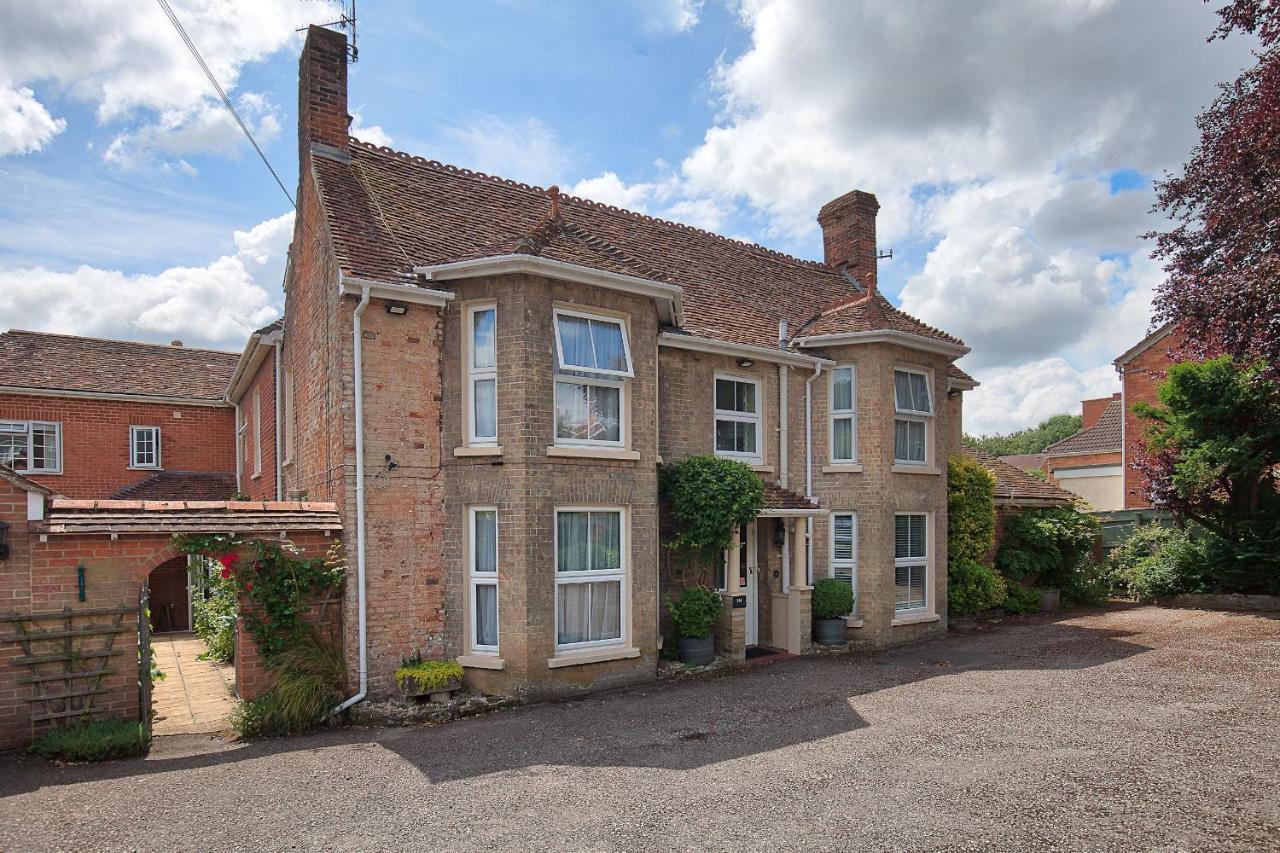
column 95, row 439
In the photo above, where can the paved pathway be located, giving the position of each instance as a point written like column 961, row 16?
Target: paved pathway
column 196, row 695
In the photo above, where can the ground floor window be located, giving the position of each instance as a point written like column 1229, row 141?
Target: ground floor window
column 590, row 577
column 911, row 561
column 844, row 550
column 484, row 580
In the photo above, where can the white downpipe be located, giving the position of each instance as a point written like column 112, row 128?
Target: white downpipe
column 783, row 456
column 358, row 369
column 279, row 449
column 808, row 459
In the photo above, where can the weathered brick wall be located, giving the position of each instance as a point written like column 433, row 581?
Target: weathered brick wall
column 15, row 598
column 95, row 439
column 1141, row 379
column 259, row 482
column 253, row 678
column 526, row 485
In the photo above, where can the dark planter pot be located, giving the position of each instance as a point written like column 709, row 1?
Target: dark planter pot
column 697, row 651
column 830, row 632
column 1050, row 599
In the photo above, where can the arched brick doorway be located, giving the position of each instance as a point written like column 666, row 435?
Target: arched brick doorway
column 170, row 596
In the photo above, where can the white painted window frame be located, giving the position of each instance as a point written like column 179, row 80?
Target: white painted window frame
column 622, row 576
column 597, row 318
column 850, row 564
column 134, row 432
column 718, row 414
column 477, row 578
column 477, row 374
column 623, row 413
column 914, row 415
column 925, row 562
column 835, row 414
column 257, row 432
column 30, row 430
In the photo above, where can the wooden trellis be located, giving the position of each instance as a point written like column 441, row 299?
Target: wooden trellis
column 66, row 656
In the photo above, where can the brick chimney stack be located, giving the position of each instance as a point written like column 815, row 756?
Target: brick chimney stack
column 1091, row 410
column 322, row 91
column 849, row 235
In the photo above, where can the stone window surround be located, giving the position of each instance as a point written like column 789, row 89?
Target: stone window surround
column 135, row 431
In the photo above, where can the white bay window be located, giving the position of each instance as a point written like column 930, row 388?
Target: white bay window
column 590, row 549
column 913, row 411
column 593, row 358
column 483, row 580
column 844, row 415
column 911, row 562
column 844, row 550
column 482, row 375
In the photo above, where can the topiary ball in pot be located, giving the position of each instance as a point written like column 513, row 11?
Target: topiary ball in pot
column 695, row 613
column 832, row 601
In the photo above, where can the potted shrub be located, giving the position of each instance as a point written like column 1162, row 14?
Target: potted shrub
column 435, row 679
column 832, row 601
column 695, row 613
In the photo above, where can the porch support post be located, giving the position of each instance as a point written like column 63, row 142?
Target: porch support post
column 733, row 620
column 799, row 597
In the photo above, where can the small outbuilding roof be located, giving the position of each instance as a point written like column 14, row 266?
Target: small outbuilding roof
column 1106, row 436
column 114, row 516
column 1014, row 485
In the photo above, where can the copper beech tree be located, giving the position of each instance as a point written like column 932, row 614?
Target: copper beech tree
column 1222, row 253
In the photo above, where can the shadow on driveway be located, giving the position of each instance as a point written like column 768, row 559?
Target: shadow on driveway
column 677, row 726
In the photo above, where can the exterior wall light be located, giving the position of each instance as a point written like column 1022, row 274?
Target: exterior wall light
column 744, row 363
column 397, row 308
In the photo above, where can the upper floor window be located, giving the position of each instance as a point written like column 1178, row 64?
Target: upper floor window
column 590, row 577
column 290, row 419
column 913, row 407
column 911, row 561
column 592, row 359
column 484, row 580
column 482, row 375
column 844, row 414
column 737, row 418
column 31, row 447
column 144, row 447
column 257, row 432
column 844, row 550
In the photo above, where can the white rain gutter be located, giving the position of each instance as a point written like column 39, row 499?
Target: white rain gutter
column 808, row 453
column 279, row 471
column 358, row 370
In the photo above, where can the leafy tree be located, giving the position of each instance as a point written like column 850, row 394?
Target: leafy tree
column 1211, row 457
column 1030, row 440
column 1223, row 284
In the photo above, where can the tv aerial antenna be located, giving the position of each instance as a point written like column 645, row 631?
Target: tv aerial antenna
column 348, row 23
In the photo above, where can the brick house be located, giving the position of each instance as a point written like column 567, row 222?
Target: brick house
column 1090, row 463
column 259, row 415
column 485, row 376
column 1142, row 369
column 89, row 418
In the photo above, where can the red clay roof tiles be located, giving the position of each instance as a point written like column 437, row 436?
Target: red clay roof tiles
column 1106, row 436
column 180, row 486
column 1014, row 484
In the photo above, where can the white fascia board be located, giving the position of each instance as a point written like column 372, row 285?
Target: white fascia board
column 792, row 513
column 411, row 293
column 675, row 340
column 1089, row 471
column 668, row 296
column 962, row 384
column 884, row 336
column 1145, row 344
column 159, row 400
column 250, row 360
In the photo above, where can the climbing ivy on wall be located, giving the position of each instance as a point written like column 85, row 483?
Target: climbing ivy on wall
column 709, row 498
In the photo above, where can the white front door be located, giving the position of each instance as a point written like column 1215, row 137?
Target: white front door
column 749, row 582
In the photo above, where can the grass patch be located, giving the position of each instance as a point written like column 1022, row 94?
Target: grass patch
column 96, row 740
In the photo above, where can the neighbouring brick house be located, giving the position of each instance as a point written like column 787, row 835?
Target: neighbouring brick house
column 259, row 418
column 1090, row 463
column 1016, row 491
column 1142, row 369
column 91, row 418
column 485, row 376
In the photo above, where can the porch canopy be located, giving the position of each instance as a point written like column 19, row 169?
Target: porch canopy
column 784, row 503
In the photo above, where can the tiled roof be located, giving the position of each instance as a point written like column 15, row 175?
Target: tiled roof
column 389, row 211
column 23, row 483
column 1106, row 436
column 1014, row 484
column 1025, row 460
column 776, row 497
column 954, row 372
column 179, row 486
column 67, row 363
column 112, row 516
column 870, row 314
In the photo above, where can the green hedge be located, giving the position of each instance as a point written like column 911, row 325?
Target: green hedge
column 973, row 587
column 971, row 509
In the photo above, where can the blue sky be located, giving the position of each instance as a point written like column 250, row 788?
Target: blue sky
column 1012, row 145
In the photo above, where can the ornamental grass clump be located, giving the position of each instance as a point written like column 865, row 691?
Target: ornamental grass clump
column 310, row 676
column 94, row 740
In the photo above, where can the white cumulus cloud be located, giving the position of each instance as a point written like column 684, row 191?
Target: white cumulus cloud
column 25, row 124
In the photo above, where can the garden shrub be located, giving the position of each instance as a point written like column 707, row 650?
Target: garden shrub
column 215, row 620
column 973, row 587
column 832, row 598
column 310, row 678
column 1048, row 546
column 971, row 509
column 95, row 740
column 1022, row 599
column 710, row 497
column 428, row 675
column 695, row 612
column 1158, row 562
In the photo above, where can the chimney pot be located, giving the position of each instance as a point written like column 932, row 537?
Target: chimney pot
column 849, row 235
column 175, row 343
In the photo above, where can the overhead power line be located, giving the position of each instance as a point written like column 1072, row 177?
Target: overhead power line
column 177, row 25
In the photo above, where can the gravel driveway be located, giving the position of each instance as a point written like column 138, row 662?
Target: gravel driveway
column 1129, row 729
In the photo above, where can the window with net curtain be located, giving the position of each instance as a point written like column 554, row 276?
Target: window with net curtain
column 483, row 375
column 593, row 358
column 484, row 580
column 913, row 408
column 911, row 561
column 844, row 427
column 31, row 447
column 590, row 573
